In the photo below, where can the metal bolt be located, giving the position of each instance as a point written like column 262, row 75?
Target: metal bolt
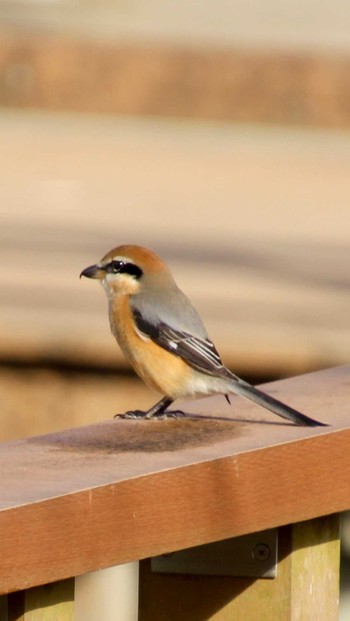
column 261, row 552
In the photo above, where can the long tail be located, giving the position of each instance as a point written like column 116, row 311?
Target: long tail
column 244, row 389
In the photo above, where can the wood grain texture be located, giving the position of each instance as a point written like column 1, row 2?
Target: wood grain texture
column 123, row 490
column 315, row 560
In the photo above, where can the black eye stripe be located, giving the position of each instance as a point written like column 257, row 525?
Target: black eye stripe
column 123, row 267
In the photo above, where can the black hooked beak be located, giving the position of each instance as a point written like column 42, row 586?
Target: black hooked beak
column 93, row 271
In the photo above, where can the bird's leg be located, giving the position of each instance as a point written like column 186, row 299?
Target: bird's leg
column 159, row 408
column 157, row 411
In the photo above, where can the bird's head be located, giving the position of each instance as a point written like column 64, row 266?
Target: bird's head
column 125, row 268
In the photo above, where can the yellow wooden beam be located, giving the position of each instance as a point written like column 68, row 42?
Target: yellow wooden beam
column 306, row 586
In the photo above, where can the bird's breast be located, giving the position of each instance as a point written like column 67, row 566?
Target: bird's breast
column 159, row 369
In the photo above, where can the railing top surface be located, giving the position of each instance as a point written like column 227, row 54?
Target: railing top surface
column 85, row 498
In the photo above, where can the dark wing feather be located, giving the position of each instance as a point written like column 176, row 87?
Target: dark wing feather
column 200, row 354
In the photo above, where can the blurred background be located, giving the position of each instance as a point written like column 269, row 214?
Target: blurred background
column 217, row 134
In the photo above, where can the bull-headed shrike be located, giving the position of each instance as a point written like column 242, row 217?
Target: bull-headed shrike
column 163, row 337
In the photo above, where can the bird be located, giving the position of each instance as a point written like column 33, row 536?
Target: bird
column 163, row 337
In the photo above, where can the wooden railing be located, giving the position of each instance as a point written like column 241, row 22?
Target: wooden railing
column 108, row 495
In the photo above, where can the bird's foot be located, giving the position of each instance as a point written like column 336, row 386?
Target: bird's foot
column 168, row 414
column 132, row 415
column 142, row 415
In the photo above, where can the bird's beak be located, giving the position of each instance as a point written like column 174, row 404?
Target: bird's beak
column 93, row 271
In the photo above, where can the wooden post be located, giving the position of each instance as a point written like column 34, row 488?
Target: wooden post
column 306, row 586
column 110, row 594
column 314, row 561
column 49, row 602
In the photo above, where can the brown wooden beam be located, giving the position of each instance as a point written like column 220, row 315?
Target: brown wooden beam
column 97, row 496
column 62, row 73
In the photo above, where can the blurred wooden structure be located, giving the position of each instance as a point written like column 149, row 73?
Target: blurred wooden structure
column 58, row 72
column 253, row 219
column 104, row 495
column 265, row 262
column 231, row 62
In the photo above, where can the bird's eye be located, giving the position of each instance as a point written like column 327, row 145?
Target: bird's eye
column 124, row 267
column 116, row 266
